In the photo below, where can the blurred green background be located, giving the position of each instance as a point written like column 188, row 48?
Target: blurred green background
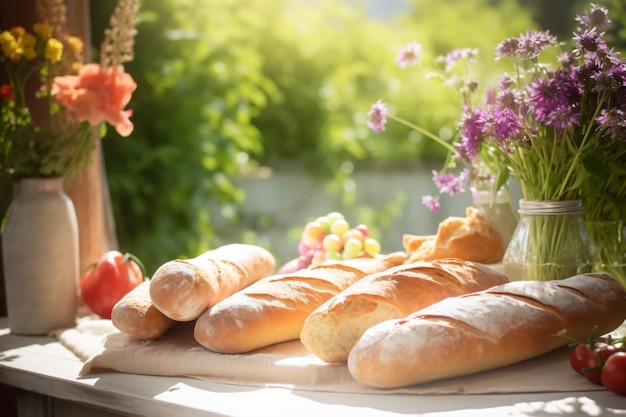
column 228, row 88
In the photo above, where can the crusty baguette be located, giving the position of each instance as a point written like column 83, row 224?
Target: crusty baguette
column 274, row 309
column 136, row 315
column 184, row 289
column 485, row 330
column 471, row 238
column 332, row 329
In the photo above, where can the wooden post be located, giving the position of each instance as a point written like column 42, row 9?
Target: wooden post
column 90, row 191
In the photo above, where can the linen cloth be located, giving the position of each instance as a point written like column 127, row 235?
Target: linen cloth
column 103, row 348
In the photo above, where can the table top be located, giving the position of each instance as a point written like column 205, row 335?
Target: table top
column 44, row 366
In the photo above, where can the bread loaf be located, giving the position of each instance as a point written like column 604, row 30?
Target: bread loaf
column 184, row 289
column 485, row 330
column 136, row 315
column 331, row 330
column 273, row 309
column 471, row 238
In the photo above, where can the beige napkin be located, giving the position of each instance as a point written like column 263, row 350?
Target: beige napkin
column 289, row 364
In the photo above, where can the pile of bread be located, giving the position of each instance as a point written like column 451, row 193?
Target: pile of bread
column 433, row 311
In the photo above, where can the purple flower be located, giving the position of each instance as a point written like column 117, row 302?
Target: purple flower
column 597, row 17
column 613, row 122
column 507, row 47
column 526, row 46
column 449, row 183
column 556, row 101
column 533, row 43
column 377, row 116
column 409, row 54
column 452, row 57
column 431, row 202
column 505, row 125
column 590, row 41
column 472, row 131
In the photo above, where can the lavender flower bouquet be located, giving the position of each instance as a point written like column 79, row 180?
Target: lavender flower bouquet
column 557, row 124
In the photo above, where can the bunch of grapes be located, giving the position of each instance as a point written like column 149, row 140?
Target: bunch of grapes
column 331, row 237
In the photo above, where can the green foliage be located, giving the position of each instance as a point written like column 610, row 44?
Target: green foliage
column 199, row 85
column 226, row 85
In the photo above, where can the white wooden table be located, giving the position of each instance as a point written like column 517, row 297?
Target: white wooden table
column 46, row 375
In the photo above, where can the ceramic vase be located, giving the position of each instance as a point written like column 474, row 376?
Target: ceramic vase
column 40, row 256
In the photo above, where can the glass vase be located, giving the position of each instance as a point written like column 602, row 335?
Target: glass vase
column 40, row 258
column 609, row 238
column 497, row 209
column 550, row 242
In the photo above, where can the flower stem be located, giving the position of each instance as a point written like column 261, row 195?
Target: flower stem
column 424, row 132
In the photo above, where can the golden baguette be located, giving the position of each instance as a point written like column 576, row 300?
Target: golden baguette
column 184, row 289
column 136, row 315
column 485, row 330
column 274, row 309
column 332, row 329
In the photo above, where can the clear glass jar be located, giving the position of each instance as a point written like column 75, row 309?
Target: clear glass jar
column 550, row 242
column 610, row 240
column 498, row 209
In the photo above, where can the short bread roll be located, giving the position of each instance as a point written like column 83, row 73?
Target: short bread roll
column 471, row 238
column 136, row 315
column 485, row 330
column 331, row 330
column 274, row 309
column 184, row 289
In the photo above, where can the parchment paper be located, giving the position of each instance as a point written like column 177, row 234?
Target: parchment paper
column 103, row 348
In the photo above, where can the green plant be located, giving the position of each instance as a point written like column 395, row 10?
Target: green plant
column 228, row 85
column 199, row 85
column 53, row 100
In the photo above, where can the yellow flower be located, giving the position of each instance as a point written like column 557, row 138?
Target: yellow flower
column 75, row 44
column 9, row 44
column 54, row 50
column 27, row 43
column 43, row 30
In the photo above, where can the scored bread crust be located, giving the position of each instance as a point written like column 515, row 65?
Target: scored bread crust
column 471, row 238
column 184, row 289
column 136, row 315
column 485, row 330
column 273, row 309
column 332, row 329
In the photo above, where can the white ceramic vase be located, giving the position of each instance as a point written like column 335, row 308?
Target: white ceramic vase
column 40, row 256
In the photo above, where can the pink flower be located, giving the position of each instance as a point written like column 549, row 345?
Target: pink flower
column 377, row 116
column 408, row 55
column 96, row 95
column 431, row 202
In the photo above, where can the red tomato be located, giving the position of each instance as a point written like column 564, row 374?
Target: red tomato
column 614, row 373
column 578, row 357
column 113, row 277
column 592, row 366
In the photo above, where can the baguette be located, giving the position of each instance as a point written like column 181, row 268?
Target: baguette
column 184, row 289
column 136, row 315
column 485, row 330
column 332, row 329
column 274, row 309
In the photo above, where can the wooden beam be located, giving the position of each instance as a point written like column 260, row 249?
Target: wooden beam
column 90, row 192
